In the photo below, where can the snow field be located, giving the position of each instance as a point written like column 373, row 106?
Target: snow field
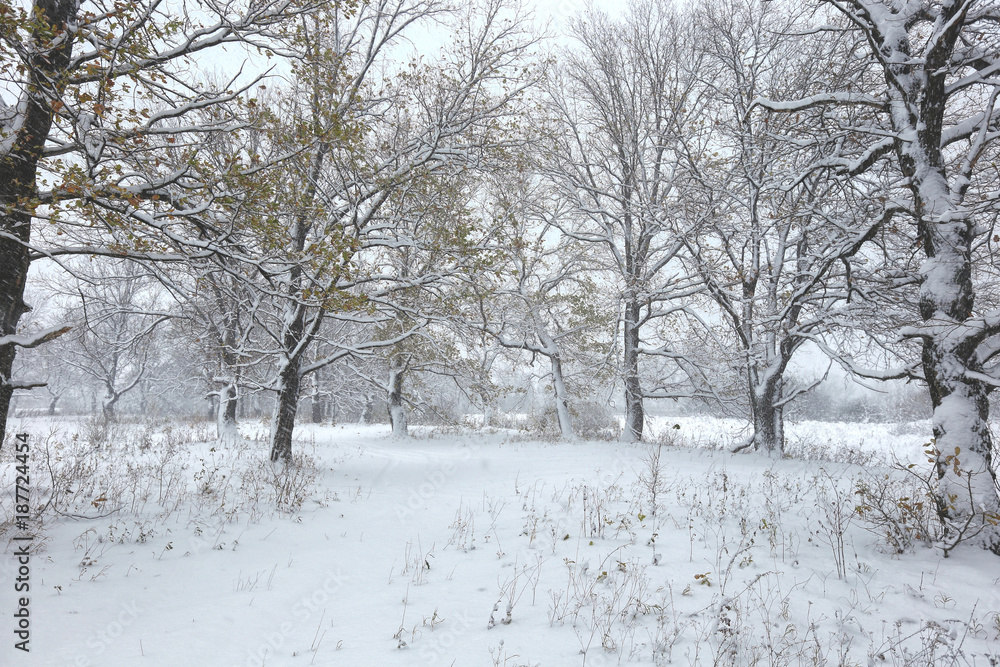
column 470, row 548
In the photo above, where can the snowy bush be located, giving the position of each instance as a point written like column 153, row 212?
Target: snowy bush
column 129, row 475
column 910, row 505
column 595, row 421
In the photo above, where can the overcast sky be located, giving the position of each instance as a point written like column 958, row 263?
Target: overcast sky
column 559, row 10
column 554, row 11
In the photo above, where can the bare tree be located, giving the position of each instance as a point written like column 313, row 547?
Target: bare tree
column 541, row 293
column 778, row 236
column 115, row 327
column 938, row 120
column 623, row 100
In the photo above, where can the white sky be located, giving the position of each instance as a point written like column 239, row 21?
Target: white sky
column 560, row 10
column 425, row 39
column 554, row 12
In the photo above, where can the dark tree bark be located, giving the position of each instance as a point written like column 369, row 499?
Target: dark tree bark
column 30, row 126
column 288, row 392
column 768, row 418
column 284, row 421
column 634, row 416
column 231, row 400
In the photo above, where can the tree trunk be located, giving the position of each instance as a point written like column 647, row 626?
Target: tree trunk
column 316, row 401
column 226, row 418
column 961, row 407
column 768, row 419
column 231, row 368
column 289, row 381
column 108, row 408
column 634, row 417
column 284, row 412
column 368, row 411
column 30, row 126
column 317, row 409
column 52, row 406
column 919, row 109
column 562, row 399
column 295, row 339
column 232, row 398
column 397, row 408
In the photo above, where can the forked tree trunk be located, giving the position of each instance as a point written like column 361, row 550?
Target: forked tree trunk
column 108, row 409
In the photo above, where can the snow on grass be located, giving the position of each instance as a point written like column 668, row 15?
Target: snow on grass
column 468, row 548
column 870, row 443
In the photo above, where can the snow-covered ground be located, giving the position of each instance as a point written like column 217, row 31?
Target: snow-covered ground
column 471, row 548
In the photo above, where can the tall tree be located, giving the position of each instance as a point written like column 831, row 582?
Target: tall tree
column 624, row 98
column 540, row 292
column 85, row 83
column 779, row 235
column 116, row 323
column 938, row 120
column 362, row 129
